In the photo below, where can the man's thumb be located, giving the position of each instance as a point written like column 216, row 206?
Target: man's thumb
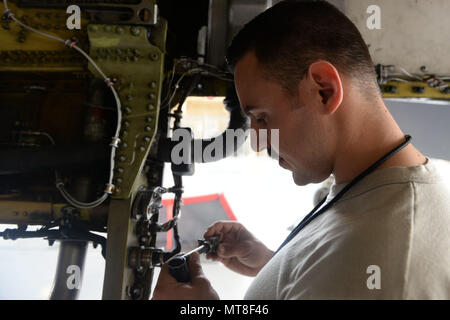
column 195, row 268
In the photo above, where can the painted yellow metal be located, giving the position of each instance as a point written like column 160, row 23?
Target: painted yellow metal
column 25, row 51
column 406, row 90
column 126, row 55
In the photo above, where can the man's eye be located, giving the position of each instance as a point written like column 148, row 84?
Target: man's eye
column 261, row 119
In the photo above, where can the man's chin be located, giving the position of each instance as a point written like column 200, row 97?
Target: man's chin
column 300, row 180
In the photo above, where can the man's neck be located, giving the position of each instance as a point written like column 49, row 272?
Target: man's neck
column 372, row 140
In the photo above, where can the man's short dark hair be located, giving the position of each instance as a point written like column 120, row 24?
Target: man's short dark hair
column 288, row 37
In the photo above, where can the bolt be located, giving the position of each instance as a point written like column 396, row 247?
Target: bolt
column 135, row 31
column 144, row 239
column 149, row 119
column 124, row 133
column 126, row 123
column 119, row 180
column 148, row 128
column 124, row 145
column 390, row 89
column 151, row 96
column 418, row 89
column 127, row 109
column 147, row 139
column 150, row 107
column 120, row 170
column 122, row 158
column 141, row 149
column 152, row 84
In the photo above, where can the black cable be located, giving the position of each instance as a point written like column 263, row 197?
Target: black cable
column 312, row 215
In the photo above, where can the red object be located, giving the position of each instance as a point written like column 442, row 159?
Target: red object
column 168, row 204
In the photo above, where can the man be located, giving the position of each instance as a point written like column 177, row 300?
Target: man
column 303, row 68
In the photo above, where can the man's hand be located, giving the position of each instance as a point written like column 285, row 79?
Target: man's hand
column 199, row 288
column 238, row 249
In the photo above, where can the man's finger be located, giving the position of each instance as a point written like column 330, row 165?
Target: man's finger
column 195, row 268
column 226, row 250
column 164, row 276
column 222, row 227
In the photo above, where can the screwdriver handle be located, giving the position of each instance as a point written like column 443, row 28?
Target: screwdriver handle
column 178, row 268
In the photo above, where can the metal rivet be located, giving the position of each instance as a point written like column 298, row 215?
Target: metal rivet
column 108, row 28
column 150, row 107
column 149, row 119
column 148, row 128
column 135, row 31
column 151, row 96
column 120, row 170
column 141, row 149
column 129, row 97
column 122, row 158
column 154, row 56
column 119, row 30
column 147, row 139
column 119, row 180
column 152, row 85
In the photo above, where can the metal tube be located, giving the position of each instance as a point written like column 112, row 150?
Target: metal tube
column 67, row 284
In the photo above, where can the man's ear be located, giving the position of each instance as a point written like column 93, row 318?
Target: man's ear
column 327, row 84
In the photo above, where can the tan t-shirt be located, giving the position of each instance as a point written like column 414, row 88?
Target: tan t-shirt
column 387, row 238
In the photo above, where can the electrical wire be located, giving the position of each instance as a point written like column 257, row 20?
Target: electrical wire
column 115, row 140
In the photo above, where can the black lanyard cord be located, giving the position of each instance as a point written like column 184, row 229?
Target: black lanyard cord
column 313, row 214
